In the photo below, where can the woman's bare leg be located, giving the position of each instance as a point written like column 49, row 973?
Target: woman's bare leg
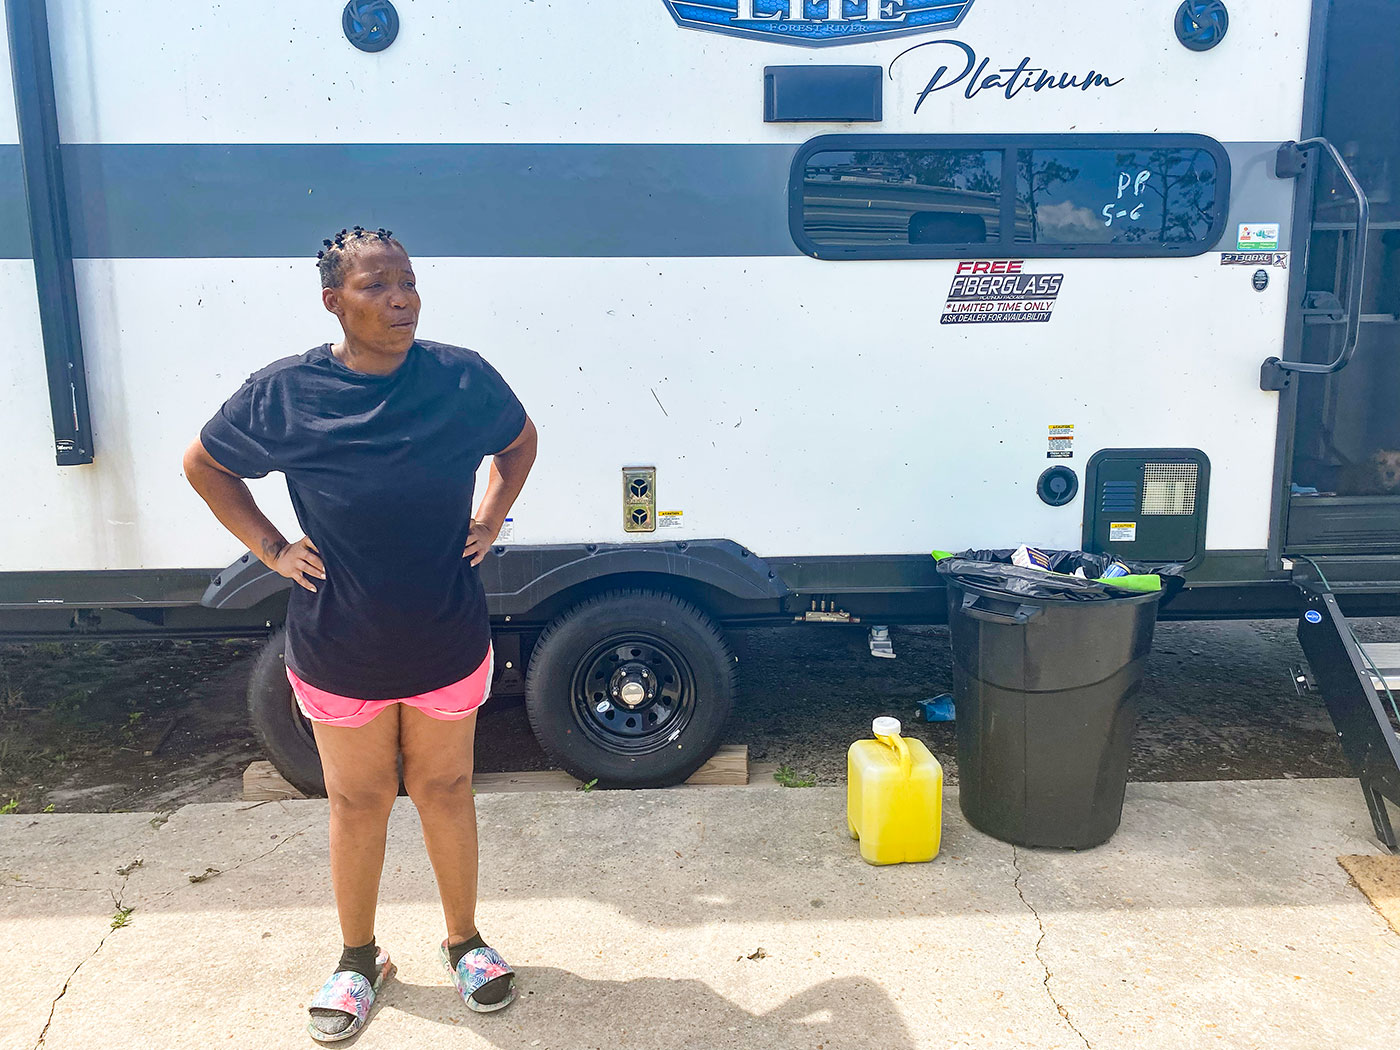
column 437, row 772
column 362, row 781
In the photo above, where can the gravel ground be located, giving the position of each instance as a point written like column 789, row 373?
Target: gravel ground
column 101, row 726
column 1217, row 703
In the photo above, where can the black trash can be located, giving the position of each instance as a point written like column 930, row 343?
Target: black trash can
column 1046, row 692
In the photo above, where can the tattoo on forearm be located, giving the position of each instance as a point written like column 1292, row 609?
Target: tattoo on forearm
column 271, row 548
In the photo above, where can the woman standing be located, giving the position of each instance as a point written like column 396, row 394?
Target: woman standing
column 388, row 642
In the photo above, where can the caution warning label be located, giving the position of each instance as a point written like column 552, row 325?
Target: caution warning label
column 1000, row 292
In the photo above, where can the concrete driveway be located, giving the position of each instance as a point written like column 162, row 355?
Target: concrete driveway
column 718, row 917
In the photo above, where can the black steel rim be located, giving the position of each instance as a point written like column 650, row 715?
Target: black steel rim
column 632, row 694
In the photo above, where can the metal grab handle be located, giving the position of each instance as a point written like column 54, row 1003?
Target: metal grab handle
column 1023, row 615
column 1289, row 164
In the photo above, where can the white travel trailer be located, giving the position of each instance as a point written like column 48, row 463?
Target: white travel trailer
column 797, row 290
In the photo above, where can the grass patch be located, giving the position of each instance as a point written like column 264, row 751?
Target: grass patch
column 790, row 778
column 121, row 917
column 10, row 806
column 133, row 723
column 589, row 786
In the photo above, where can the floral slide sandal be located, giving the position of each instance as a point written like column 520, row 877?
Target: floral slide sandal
column 477, row 968
column 346, row 995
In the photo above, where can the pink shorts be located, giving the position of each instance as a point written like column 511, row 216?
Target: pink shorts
column 449, row 703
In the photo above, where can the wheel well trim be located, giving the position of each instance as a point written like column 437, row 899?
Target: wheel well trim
column 722, row 565
column 521, row 579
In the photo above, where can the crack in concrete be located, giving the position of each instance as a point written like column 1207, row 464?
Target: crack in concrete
column 1059, row 1007
column 167, row 894
column 213, row 873
column 117, row 899
column 253, row 860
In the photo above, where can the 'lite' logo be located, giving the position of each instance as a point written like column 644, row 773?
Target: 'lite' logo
column 818, row 23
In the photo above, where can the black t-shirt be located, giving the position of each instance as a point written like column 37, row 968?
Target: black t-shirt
column 380, row 470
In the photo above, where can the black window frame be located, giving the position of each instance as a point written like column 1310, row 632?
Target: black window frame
column 1006, row 247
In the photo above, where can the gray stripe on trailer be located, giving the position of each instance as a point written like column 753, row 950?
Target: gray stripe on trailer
column 467, row 200
column 441, row 200
column 14, row 216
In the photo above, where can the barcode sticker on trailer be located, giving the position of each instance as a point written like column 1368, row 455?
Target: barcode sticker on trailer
column 1122, row 532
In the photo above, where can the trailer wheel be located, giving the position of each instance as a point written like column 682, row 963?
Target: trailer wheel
column 281, row 728
column 631, row 689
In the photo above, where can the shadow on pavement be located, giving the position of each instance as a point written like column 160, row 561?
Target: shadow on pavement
column 559, row 1008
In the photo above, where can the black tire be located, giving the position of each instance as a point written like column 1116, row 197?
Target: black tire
column 589, row 655
column 281, row 728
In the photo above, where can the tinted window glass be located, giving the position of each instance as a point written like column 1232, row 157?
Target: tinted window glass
column 1110, row 196
column 883, row 198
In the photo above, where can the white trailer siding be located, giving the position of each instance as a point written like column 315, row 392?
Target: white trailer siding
column 797, row 406
column 624, row 72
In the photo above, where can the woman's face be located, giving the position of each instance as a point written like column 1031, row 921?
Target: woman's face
column 378, row 304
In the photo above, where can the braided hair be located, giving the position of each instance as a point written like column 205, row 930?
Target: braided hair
column 333, row 260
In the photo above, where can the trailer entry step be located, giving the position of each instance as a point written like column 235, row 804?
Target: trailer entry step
column 1358, row 705
column 1385, row 658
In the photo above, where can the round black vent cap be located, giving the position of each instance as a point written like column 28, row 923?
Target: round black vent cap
column 371, row 25
column 1201, row 24
column 1057, row 486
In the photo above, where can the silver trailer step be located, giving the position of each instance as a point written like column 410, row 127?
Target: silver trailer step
column 1386, row 658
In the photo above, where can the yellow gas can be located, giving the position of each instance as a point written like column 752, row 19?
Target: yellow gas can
column 894, row 796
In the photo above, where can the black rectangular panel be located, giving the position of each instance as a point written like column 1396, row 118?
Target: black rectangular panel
column 1343, row 524
column 1147, row 505
column 823, row 93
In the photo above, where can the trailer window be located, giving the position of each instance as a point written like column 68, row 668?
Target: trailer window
column 880, row 198
column 1019, row 196
column 1106, row 196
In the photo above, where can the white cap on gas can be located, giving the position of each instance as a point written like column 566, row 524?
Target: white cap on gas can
column 886, row 726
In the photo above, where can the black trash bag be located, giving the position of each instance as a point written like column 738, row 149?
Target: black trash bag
column 993, row 570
